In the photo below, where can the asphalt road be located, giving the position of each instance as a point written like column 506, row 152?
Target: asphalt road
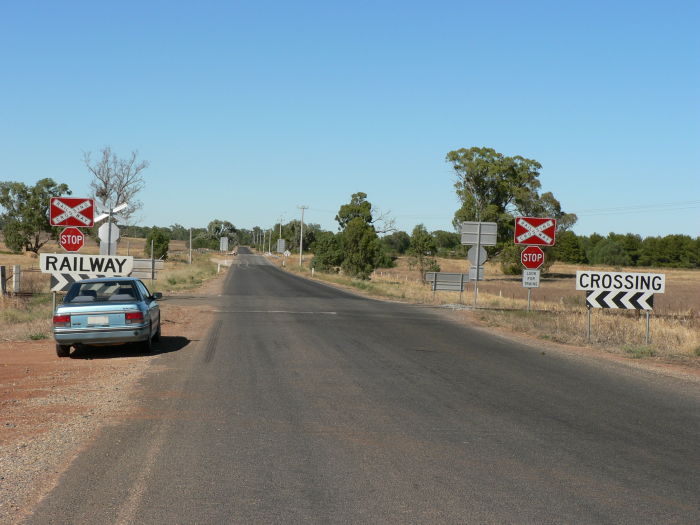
column 305, row 404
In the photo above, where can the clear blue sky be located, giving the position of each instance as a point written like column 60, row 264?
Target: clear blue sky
column 246, row 110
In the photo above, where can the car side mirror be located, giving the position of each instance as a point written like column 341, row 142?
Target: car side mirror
column 157, row 296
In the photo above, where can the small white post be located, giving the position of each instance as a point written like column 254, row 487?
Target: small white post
column 16, row 278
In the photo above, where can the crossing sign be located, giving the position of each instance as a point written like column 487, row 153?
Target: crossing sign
column 535, row 230
column 68, row 211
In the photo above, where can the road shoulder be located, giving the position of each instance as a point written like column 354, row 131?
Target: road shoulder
column 52, row 408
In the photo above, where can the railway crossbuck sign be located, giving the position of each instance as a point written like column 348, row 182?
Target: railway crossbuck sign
column 67, row 211
column 535, row 230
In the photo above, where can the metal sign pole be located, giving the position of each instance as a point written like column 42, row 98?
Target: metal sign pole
column 648, row 338
column 109, row 232
column 478, row 249
column 529, row 291
column 588, row 334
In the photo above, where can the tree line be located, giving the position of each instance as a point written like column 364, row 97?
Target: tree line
column 672, row 251
column 490, row 186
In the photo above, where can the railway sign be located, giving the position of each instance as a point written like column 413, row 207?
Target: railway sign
column 535, row 230
column 532, row 257
column 71, row 239
column 70, row 263
column 626, row 300
column 69, row 211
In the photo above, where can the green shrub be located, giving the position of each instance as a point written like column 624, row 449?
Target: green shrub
column 639, row 352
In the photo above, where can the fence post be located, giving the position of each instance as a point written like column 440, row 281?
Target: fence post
column 16, row 278
column 3, row 278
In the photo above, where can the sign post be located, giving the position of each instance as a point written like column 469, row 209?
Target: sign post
column 626, row 290
column 479, row 234
column 531, row 279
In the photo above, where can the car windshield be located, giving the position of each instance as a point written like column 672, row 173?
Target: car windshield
column 101, row 291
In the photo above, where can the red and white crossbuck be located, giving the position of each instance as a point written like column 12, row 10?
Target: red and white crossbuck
column 67, row 211
column 535, row 230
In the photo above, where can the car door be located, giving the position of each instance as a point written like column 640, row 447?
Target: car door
column 152, row 304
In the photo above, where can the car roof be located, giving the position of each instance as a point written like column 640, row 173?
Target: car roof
column 108, row 280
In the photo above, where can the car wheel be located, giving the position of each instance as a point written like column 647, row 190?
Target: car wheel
column 147, row 345
column 156, row 336
column 62, row 350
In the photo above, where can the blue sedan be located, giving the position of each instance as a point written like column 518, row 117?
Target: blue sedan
column 107, row 311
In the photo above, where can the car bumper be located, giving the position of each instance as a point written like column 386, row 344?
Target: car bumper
column 101, row 336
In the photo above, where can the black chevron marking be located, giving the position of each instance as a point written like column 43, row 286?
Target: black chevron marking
column 589, row 302
column 617, row 299
column 634, row 298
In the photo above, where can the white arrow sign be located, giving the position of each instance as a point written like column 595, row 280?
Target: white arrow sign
column 625, row 300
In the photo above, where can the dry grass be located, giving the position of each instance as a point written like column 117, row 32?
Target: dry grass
column 559, row 312
column 24, row 318
column 179, row 275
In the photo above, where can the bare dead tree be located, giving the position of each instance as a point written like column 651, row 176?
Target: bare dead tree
column 117, row 181
column 382, row 222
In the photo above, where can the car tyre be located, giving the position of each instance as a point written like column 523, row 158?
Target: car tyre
column 62, row 350
column 147, row 345
column 156, row 336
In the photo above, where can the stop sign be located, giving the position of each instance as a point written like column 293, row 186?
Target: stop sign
column 532, row 257
column 71, row 239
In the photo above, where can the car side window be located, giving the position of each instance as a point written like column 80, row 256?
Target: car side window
column 142, row 288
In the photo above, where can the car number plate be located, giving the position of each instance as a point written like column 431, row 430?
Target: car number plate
column 97, row 319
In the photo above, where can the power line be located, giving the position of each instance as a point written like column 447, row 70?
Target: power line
column 640, row 208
